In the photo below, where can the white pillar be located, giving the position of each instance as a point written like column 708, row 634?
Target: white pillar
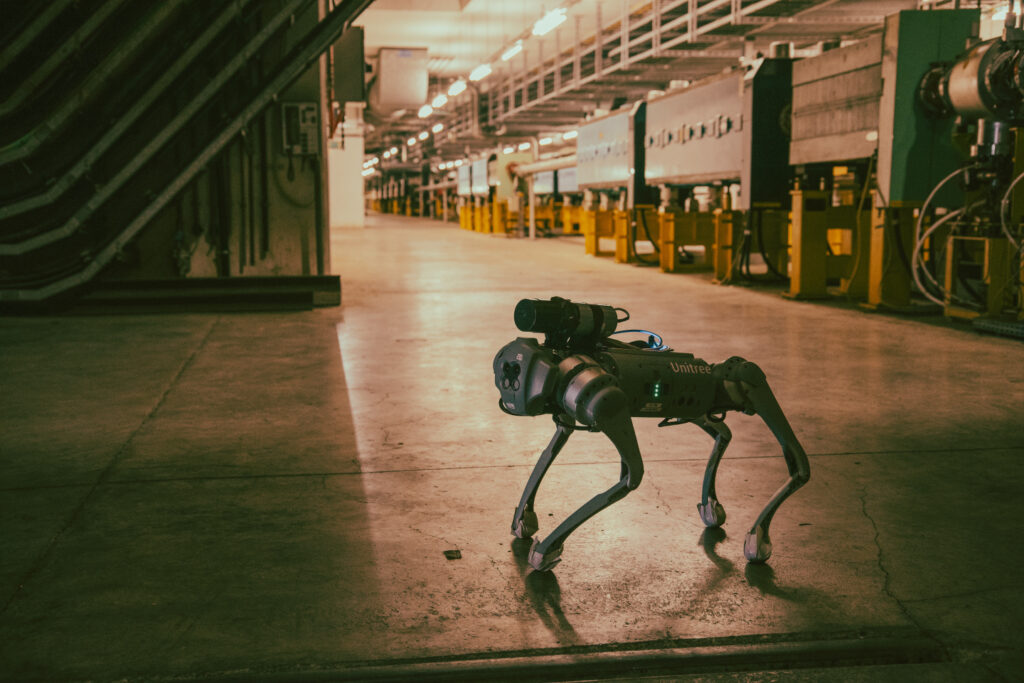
column 345, row 180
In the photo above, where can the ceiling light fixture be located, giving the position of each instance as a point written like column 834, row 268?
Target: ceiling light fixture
column 437, row 128
column 439, row 101
column 570, row 135
column 425, row 111
column 424, row 135
column 509, row 150
column 523, row 146
column 456, row 88
column 544, row 141
column 549, row 21
column 386, row 154
column 512, row 51
column 393, row 150
column 411, row 141
column 480, row 73
column 458, row 163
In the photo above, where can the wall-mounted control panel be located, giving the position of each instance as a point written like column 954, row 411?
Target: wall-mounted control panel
column 299, row 123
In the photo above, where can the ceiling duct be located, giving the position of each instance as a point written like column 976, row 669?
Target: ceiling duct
column 401, row 80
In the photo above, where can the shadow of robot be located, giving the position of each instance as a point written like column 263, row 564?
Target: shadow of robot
column 544, row 594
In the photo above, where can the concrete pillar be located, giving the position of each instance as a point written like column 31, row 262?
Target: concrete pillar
column 344, row 171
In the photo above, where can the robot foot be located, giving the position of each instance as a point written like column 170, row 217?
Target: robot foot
column 525, row 526
column 757, row 546
column 544, row 562
column 711, row 513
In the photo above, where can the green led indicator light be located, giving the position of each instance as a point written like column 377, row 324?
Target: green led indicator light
column 656, row 390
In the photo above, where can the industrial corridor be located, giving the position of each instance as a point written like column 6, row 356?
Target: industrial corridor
column 326, row 495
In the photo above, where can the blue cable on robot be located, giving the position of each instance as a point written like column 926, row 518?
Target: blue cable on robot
column 588, row 381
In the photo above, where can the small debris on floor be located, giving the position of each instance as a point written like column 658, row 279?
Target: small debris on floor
column 453, row 554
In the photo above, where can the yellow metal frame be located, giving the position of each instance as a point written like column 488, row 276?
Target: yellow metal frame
column 683, row 229
column 816, row 227
column 888, row 279
column 572, row 223
column 994, row 257
column 596, row 224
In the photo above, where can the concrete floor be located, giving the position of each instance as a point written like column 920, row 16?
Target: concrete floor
column 269, row 496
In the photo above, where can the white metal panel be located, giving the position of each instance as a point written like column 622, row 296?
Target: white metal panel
column 604, row 151
column 694, row 135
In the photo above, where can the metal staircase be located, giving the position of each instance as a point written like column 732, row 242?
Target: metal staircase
column 99, row 133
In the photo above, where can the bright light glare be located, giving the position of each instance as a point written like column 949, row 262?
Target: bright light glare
column 456, row 88
column 393, row 150
column 387, row 154
column 439, row 101
column 1000, row 14
column 458, row 163
column 411, row 141
column 549, row 21
column 425, row 111
column 570, row 135
column 424, row 135
column 544, row 141
column 479, row 73
column 512, row 51
column 509, row 150
column 368, row 172
column 437, row 128
column 523, row 146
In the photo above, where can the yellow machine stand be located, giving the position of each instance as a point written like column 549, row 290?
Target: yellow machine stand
column 499, row 218
column 681, row 229
column 728, row 227
column 888, row 280
column 466, row 216
column 485, row 218
column 991, row 256
column 571, row 221
column 829, row 242
column 597, row 224
column 626, row 234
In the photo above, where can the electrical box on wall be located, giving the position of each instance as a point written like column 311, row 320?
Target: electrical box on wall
column 299, row 128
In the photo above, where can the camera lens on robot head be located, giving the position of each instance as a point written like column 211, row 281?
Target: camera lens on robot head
column 561, row 317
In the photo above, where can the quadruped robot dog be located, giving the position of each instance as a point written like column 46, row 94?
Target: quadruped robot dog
column 588, row 381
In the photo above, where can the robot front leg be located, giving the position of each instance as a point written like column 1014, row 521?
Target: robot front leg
column 758, row 399
column 546, row 553
column 524, row 521
column 711, row 511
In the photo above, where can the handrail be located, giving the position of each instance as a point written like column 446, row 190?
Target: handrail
column 58, row 57
column 140, row 105
column 30, row 142
column 157, row 141
column 303, row 55
column 32, row 31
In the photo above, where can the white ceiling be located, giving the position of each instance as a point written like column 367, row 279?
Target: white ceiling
column 458, row 34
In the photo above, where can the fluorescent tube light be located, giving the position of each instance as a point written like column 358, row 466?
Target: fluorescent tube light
column 512, row 51
column 456, row 88
column 549, row 21
column 479, row 73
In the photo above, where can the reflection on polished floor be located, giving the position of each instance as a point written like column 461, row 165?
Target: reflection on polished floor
column 270, row 496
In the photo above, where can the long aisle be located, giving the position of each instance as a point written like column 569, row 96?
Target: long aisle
column 327, row 495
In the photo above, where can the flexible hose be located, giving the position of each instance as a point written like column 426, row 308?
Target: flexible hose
column 918, row 264
column 917, row 260
column 1003, row 206
column 856, row 220
column 643, row 222
column 931, row 195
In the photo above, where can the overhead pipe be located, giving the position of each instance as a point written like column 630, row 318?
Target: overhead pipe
column 113, row 134
column 157, row 141
column 303, row 55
